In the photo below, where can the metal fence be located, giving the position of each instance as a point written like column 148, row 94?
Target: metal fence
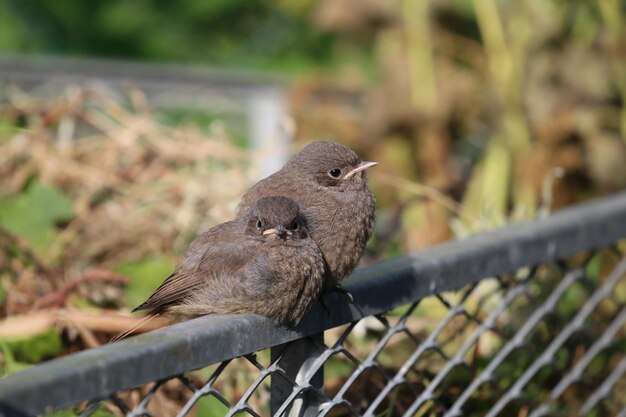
column 528, row 320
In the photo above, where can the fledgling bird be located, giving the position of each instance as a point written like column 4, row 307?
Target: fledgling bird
column 262, row 263
column 327, row 181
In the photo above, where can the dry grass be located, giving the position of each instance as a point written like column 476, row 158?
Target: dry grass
column 138, row 189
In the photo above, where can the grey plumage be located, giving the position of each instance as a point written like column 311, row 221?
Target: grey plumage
column 264, row 262
column 327, row 181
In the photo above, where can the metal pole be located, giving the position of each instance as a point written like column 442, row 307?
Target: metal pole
column 297, row 360
column 267, row 116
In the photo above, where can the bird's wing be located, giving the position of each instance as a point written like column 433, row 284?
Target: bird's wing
column 174, row 288
column 215, row 251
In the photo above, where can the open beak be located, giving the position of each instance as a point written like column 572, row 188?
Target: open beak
column 362, row 166
column 278, row 231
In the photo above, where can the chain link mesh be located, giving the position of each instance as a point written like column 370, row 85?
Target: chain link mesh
column 548, row 340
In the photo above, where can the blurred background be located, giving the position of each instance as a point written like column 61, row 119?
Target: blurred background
column 127, row 127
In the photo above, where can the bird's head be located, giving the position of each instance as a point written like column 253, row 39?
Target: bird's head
column 330, row 165
column 276, row 217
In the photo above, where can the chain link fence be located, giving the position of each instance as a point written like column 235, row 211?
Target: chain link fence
column 528, row 320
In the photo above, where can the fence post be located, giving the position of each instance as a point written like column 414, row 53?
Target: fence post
column 297, row 361
column 267, row 113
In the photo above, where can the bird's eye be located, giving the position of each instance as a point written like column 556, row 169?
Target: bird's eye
column 295, row 226
column 335, row 173
column 259, row 225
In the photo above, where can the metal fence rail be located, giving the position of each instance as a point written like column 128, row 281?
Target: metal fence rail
column 529, row 320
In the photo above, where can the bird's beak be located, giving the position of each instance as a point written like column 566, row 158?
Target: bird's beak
column 362, row 166
column 279, row 230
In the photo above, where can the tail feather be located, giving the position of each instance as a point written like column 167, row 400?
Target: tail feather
column 142, row 306
column 145, row 320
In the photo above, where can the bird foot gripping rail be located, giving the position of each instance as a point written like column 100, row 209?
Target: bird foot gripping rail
column 526, row 320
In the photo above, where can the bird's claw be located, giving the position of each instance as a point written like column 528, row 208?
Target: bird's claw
column 345, row 292
column 339, row 289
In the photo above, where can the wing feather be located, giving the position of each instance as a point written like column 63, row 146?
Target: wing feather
column 220, row 249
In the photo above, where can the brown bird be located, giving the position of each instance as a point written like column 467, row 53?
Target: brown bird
column 262, row 263
column 327, row 181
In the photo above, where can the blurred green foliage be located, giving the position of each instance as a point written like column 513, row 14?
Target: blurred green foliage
column 21, row 353
column 258, row 33
column 10, row 364
column 33, row 215
column 38, row 348
column 210, row 406
column 145, row 275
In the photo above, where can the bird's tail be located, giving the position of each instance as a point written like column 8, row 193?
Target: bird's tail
column 144, row 320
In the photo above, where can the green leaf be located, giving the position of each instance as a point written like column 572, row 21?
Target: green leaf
column 571, row 301
column 210, row 406
column 18, row 218
column 37, row 348
column 10, row 364
column 145, row 276
column 593, row 267
column 64, row 413
column 337, row 368
column 34, row 214
column 50, row 203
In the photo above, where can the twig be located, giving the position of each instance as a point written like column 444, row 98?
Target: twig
column 88, row 337
column 58, row 298
column 430, row 193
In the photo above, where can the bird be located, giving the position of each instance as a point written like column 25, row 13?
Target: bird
column 327, row 181
column 262, row 263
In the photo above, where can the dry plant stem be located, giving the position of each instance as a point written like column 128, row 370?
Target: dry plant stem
column 88, row 337
column 430, row 193
column 25, row 326
column 59, row 297
column 504, row 66
column 420, row 55
column 506, row 53
column 614, row 19
column 492, row 32
column 456, row 46
column 547, row 191
column 496, row 169
column 106, row 321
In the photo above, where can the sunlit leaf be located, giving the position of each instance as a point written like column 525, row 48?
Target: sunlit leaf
column 11, row 365
column 37, row 348
column 33, row 214
column 64, row 413
column 210, row 407
column 145, row 276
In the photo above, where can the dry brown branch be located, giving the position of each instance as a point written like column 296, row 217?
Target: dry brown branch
column 106, row 321
column 88, row 337
column 58, row 298
column 18, row 327
column 428, row 192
